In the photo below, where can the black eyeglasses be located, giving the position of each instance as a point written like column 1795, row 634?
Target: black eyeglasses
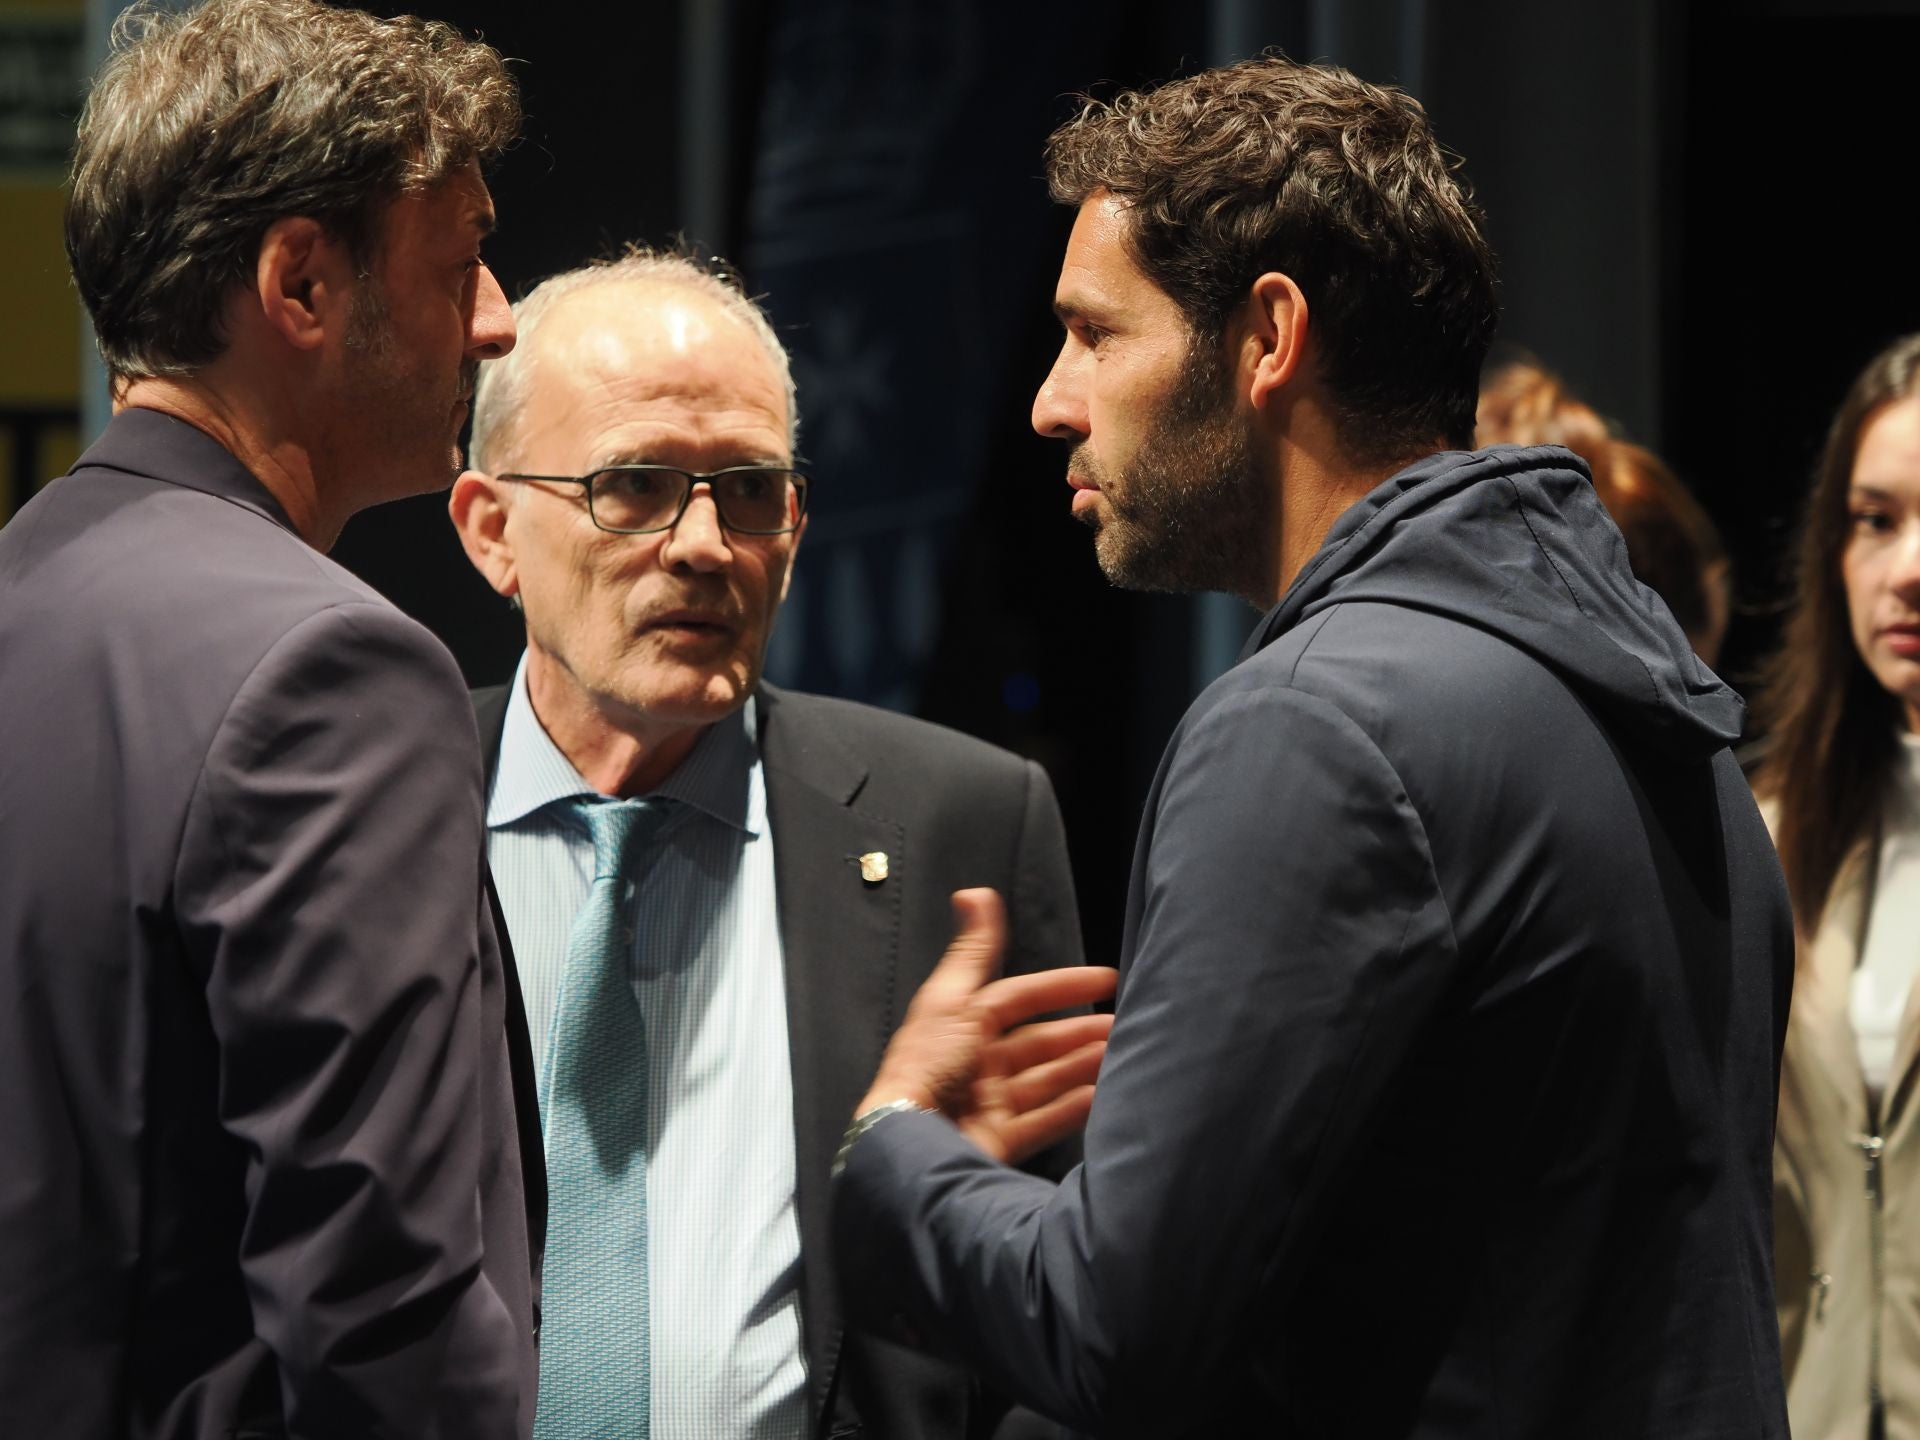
column 646, row 499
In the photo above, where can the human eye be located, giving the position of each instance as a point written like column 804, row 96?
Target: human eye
column 470, row 260
column 1869, row 518
column 753, row 485
column 757, row 501
column 1090, row 335
column 1081, row 329
column 638, row 484
column 636, row 498
column 467, row 277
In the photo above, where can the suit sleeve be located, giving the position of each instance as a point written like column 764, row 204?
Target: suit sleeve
column 329, row 885
column 1291, row 940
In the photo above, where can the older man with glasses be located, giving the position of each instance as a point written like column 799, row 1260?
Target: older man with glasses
column 721, row 893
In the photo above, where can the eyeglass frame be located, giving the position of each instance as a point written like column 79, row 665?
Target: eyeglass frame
column 801, row 482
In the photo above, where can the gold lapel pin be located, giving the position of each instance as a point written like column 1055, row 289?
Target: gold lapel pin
column 873, row 866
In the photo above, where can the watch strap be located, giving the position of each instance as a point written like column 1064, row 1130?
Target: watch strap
column 865, row 1121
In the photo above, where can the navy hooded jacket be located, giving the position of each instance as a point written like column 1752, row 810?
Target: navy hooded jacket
column 1440, row 1097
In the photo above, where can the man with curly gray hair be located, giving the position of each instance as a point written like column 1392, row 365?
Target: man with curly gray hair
column 265, row 1165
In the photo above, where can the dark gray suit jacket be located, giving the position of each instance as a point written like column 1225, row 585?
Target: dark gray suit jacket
column 259, row 1168
column 949, row 811
column 1440, row 1098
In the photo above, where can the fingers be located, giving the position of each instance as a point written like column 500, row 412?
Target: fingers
column 1019, row 998
column 1038, row 1086
column 973, row 955
column 1036, row 1044
column 1035, row 1104
column 1017, row 1138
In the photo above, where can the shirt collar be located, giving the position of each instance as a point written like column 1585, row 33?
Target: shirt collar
column 532, row 772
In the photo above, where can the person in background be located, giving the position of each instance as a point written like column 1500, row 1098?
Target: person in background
column 1672, row 545
column 1839, row 782
column 262, row 1165
column 782, row 891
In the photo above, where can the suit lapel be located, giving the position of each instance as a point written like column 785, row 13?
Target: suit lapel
column 526, row 1094
column 490, row 714
column 1822, row 1001
column 1906, row 1051
column 1825, row 998
column 1906, row 1045
column 840, row 936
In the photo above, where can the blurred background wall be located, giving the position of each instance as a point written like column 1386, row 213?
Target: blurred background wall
column 42, row 79
column 1694, row 201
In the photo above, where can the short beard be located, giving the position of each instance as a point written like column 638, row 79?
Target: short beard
column 390, row 408
column 1191, row 511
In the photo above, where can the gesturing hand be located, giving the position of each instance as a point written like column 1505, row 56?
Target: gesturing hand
column 1011, row 1091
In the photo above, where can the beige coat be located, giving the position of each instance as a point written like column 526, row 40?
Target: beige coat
column 1842, row 1317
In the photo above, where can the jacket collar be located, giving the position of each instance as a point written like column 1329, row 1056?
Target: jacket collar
column 163, row 447
column 714, row 778
column 807, row 749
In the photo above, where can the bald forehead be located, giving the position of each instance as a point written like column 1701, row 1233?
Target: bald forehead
column 633, row 372
column 653, row 337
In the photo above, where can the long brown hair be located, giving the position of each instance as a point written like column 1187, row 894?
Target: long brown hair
column 1833, row 730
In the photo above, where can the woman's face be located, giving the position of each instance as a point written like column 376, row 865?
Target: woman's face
column 1881, row 563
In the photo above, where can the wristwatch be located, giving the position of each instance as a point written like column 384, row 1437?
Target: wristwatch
column 865, row 1121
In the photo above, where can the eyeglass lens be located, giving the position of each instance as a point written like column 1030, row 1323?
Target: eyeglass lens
column 751, row 501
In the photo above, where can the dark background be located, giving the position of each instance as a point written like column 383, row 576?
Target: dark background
column 1695, row 205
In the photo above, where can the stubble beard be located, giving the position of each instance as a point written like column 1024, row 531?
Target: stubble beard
column 1191, row 511
column 406, row 422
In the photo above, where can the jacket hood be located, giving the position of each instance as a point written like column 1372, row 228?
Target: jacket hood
column 1513, row 540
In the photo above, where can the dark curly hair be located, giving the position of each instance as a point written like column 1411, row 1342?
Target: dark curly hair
column 204, row 128
column 1309, row 170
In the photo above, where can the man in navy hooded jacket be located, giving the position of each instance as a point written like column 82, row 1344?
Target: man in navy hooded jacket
column 1439, row 1097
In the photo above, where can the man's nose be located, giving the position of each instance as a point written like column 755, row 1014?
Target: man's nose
column 698, row 541
column 492, row 331
column 1059, row 410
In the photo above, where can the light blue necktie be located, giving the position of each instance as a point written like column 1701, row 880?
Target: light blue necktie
column 595, row 1370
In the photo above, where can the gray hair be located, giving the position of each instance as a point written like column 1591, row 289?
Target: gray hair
column 203, row 128
column 504, row 383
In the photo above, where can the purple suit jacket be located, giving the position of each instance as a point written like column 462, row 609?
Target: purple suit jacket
column 264, row 1161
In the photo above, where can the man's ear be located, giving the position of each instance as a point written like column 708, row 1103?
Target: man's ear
column 302, row 281
column 1273, row 349
column 479, row 512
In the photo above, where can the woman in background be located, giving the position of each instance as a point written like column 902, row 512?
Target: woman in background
column 1671, row 544
column 1840, row 784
